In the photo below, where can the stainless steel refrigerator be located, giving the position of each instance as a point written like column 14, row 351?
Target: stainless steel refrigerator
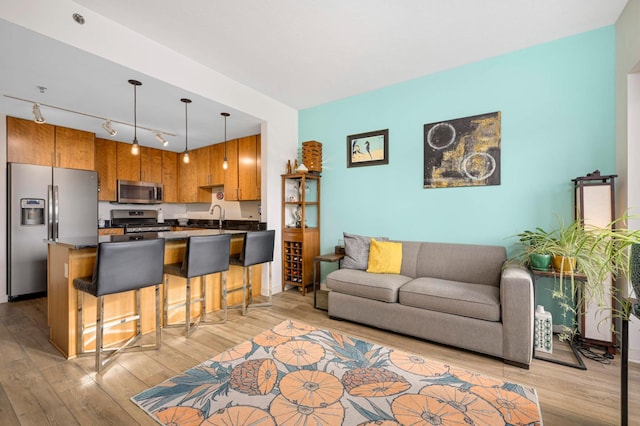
column 45, row 203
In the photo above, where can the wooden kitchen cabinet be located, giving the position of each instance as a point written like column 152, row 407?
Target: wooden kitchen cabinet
column 242, row 178
column 170, row 176
column 127, row 164
column 29, row 142
column 48, row 145
column 188, row 181
column 258, row 167
column 231, row 174
column 105, row 162
column 247, row 168
column 110, row 231
column 145, row 167
column 75, row 149
column 216, row 158
column 203, row 174
column 150, row 164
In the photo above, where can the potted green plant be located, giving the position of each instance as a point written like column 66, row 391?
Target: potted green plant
column 535, row 249
column 590, row 253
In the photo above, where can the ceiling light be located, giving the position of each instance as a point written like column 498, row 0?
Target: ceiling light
column 185, row 157
column 135, row 148
column 225, row 164
column 37, row 114
column 78, row 18
column 162, row 140
column 107, row 127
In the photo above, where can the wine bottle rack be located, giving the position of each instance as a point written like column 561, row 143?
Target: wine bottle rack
column 300, row 228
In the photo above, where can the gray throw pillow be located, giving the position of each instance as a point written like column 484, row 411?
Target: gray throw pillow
column 356, row 251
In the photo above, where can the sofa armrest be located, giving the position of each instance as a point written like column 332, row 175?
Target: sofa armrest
column 517, row 300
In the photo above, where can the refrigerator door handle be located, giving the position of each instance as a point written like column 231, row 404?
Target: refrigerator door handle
column 56, row 221
column 50, row 212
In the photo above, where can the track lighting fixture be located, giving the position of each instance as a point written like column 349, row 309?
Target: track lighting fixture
column 185, row 157
column 108, row 120
column 37, row 114
column 162, row 140
column 135, row 148
column 107, row 127
column 225, row 164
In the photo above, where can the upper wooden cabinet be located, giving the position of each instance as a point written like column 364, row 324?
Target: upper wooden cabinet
column 150, row 164
column 231, row 174
column 188, row 181
column 170, row 176
column 48, row 145
column 106, row 167
column 216, row 158
column 242, row 178
column 127, row 164
column 248, row 178
column 45, row 144
column 75, row 149
column 29, row 142
column 259, row 166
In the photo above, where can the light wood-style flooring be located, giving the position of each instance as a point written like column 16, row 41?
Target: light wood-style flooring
column 39, row 387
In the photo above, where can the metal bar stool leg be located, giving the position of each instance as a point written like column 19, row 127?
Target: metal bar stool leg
column 158, row 319
column 99, row 332
column 80, row 327
column 165, row 309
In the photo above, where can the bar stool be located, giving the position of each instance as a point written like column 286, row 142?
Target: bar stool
column 257, row 248
column 203, row 255
column 120, row 267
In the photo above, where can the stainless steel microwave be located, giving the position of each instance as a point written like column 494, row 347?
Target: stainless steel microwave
column 133, row 192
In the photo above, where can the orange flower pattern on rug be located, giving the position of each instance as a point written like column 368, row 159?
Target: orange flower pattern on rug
column 297, row 374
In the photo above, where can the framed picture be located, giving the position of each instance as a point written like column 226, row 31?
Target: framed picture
column 463, row 152
column 368, row 149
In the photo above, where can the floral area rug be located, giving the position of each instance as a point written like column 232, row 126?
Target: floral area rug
column 296, row 374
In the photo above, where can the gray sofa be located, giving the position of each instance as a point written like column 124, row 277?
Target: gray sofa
column 457, row 294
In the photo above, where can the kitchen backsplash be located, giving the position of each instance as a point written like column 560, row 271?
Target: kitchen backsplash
column 233, row 210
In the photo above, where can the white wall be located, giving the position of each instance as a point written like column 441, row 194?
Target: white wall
column 123, row 46
column 3, row 208
column 628, row 131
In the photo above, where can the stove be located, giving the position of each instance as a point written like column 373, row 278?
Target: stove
column 137, row 221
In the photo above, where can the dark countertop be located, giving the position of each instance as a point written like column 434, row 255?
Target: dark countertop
column 237, row 225
column 92, row 242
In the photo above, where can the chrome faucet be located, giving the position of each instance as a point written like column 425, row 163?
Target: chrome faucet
column 220, row 217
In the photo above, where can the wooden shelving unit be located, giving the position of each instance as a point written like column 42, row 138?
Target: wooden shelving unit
column 300, row 228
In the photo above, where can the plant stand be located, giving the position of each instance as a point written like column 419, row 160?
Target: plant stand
column 579, row 362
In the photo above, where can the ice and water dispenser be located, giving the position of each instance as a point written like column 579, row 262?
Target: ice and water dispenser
column 32, row 211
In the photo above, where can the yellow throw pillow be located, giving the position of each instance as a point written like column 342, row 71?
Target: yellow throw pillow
column 385, row 257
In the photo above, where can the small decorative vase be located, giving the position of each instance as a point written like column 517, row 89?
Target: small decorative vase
column 539, row 262
column 543, row 330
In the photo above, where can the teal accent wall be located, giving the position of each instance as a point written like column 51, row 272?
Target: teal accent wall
column 558, row 122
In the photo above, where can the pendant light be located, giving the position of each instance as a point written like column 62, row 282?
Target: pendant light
column 185, row 157
column 225, row 164
column 135, row 148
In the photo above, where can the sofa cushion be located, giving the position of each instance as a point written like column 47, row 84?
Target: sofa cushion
column 453, row 297
column 469, row 263
column 356, row 251
column 383, row 287
column 384, row 257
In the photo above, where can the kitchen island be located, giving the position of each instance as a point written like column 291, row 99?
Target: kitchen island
column 75, row 257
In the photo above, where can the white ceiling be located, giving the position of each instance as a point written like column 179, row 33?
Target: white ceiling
column 300, row 52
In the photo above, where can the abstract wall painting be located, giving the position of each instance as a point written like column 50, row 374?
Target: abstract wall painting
column 462, row 152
